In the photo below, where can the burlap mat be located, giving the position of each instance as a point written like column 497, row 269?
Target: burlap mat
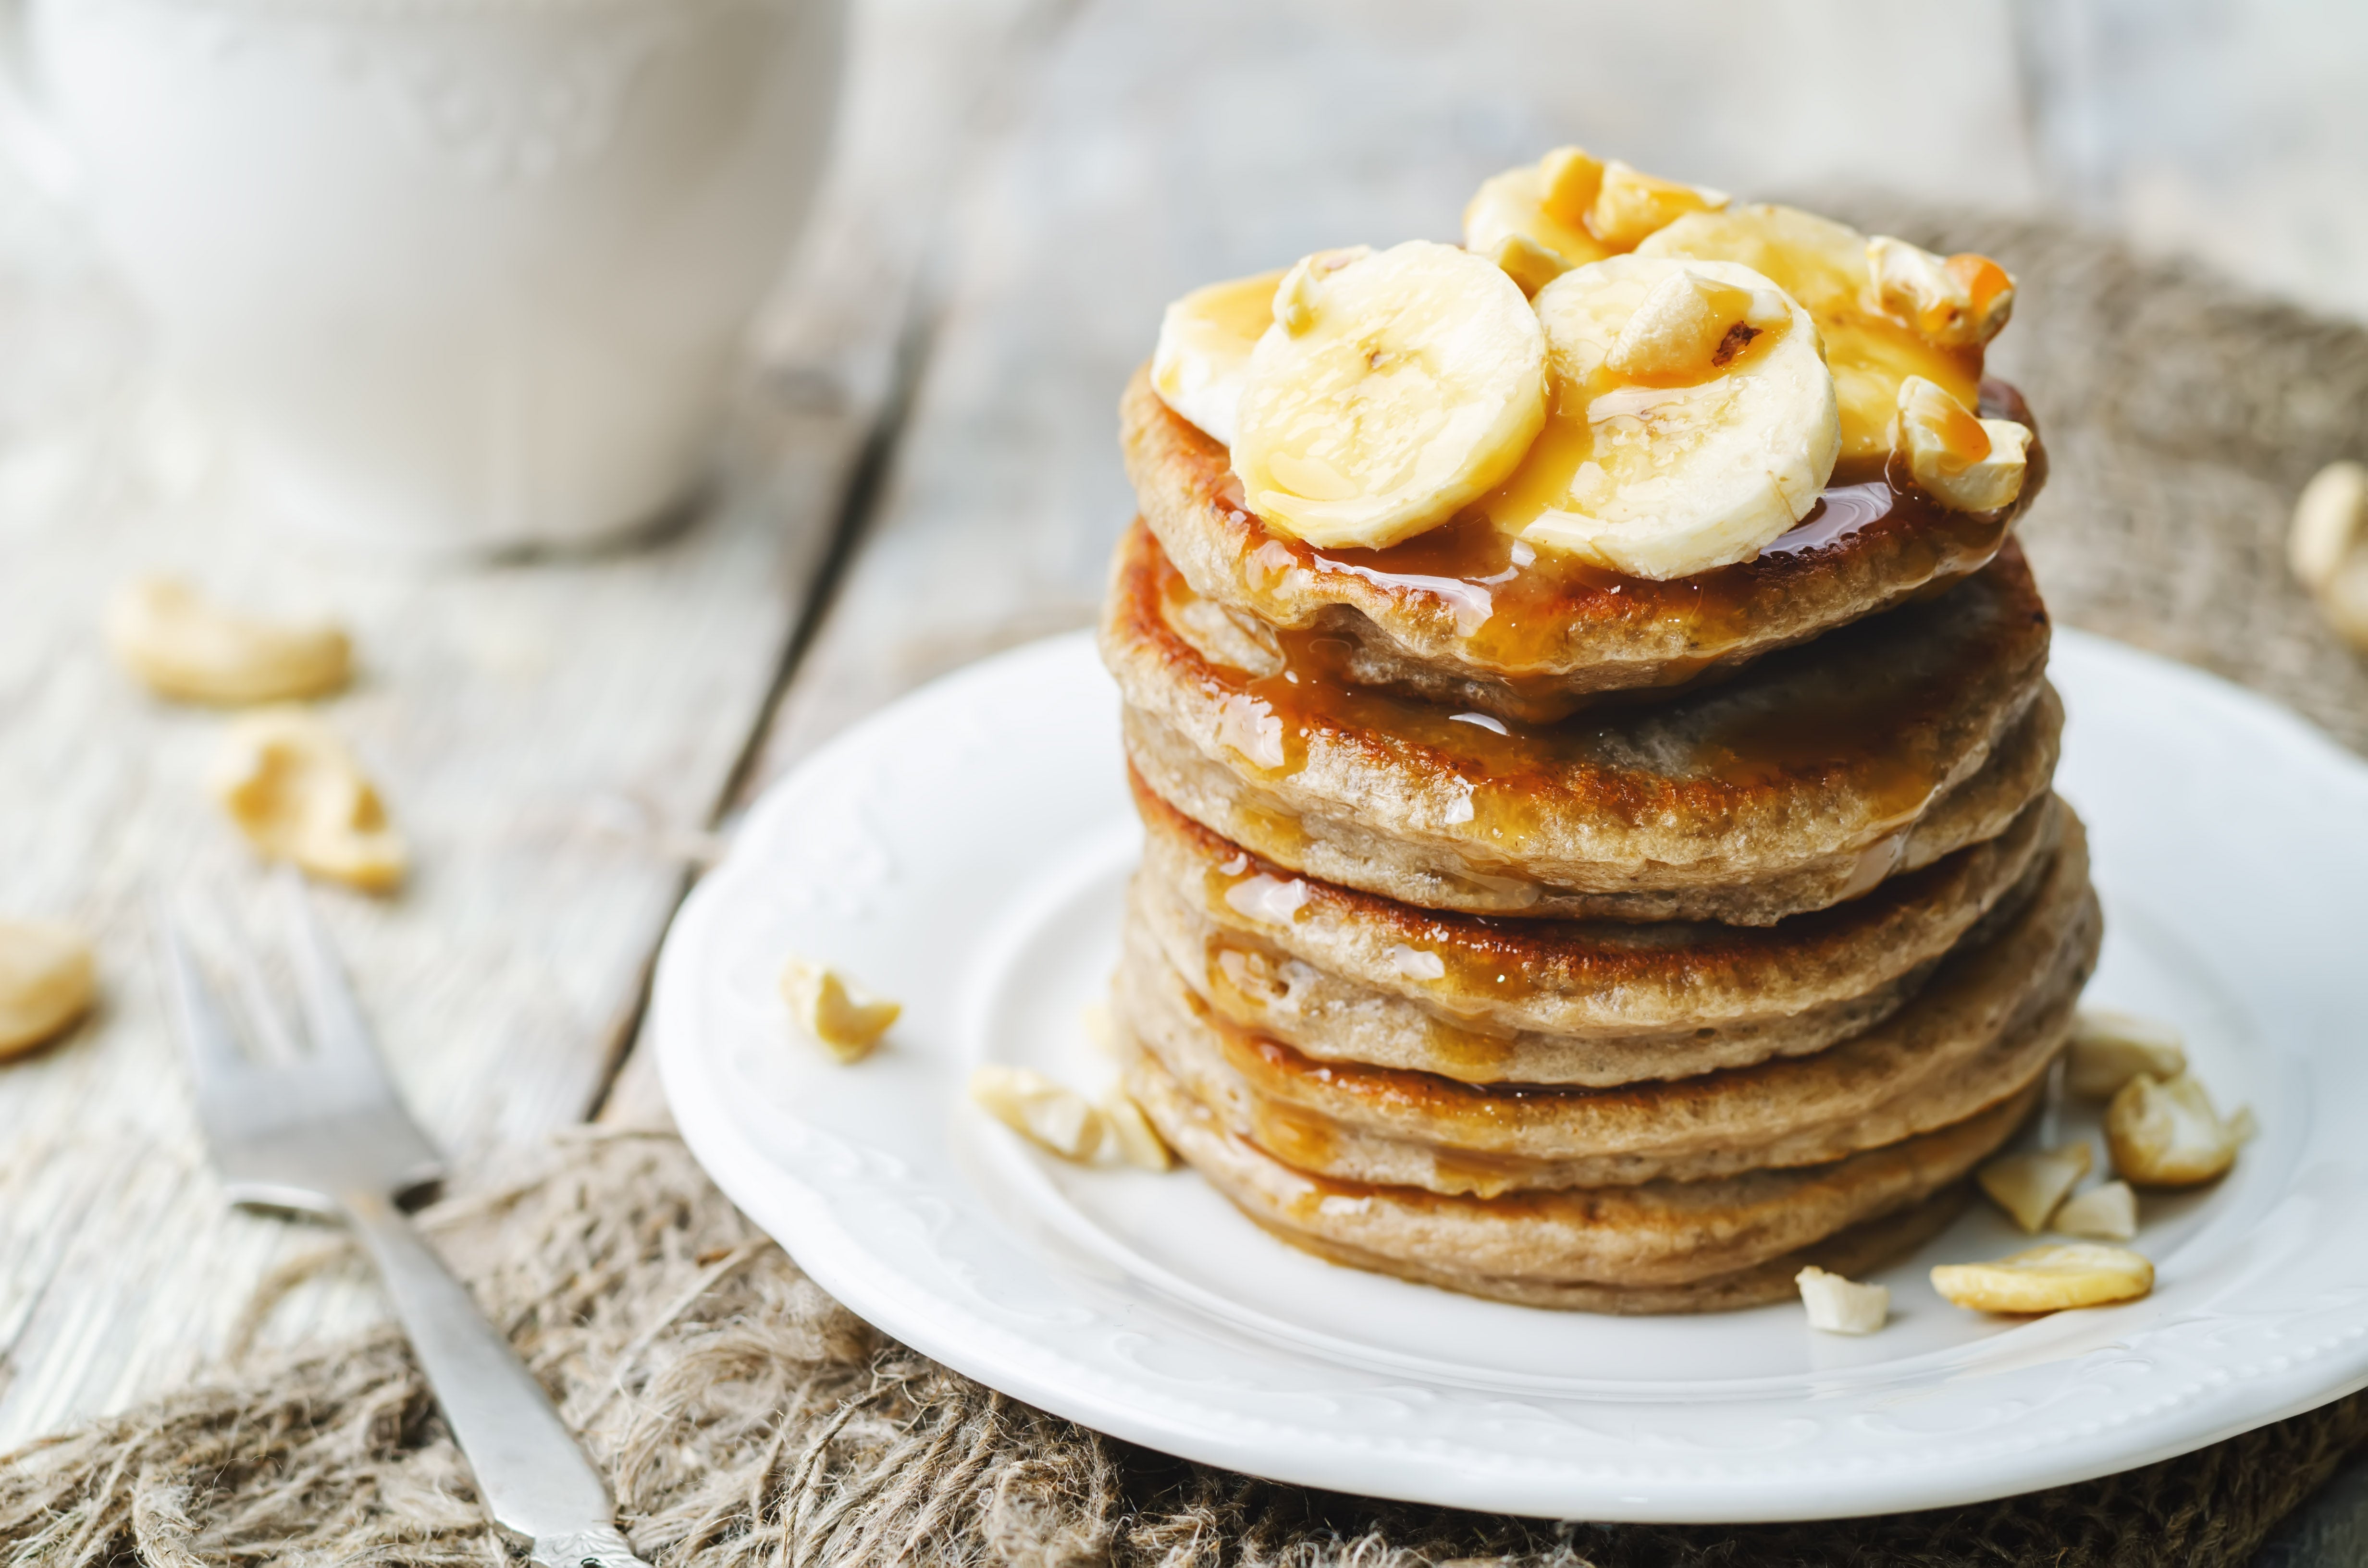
column 747, row 1419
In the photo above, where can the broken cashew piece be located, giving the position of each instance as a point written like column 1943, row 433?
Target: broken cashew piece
column 2047, row 1278
column 298, row 794
column 2328, row 548
column 1966, row 463
column 183, row 646
column 1046, row 1113
column 1132, row 1135
column 2109, row 1048
column 2029, row 1187
column 2167, row 1133
column 2107, row 1213
column 1837, row 1305
column 846, row 1020
column 46, row 981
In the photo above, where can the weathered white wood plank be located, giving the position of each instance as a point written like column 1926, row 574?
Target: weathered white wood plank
column 2235, row 133
column 546, row 736
column 555, row 737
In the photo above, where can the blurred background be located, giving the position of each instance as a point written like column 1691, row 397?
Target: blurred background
column 1118, row 152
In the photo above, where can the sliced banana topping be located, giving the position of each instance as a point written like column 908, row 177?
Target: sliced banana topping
column 2047, row 1278
column 1531, row 221
column 1823, row 266
column 1391, row 390
column 1718, row 439
column 2169, row 1134
column 1956, row 302
column 1967, row 464
column 1629, row 205
column 1203, row 356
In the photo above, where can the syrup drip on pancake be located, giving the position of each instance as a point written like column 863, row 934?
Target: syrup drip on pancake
column 1863, row 705
column 1512, row 604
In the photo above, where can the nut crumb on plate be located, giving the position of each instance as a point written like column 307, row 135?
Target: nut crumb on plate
column 1837, row 1305
column 2167, row 1133
column 2029, row 1187
column 846, row 1020
column 2110, row 1047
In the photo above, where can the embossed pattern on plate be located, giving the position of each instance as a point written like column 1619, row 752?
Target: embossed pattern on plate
column 964, row 851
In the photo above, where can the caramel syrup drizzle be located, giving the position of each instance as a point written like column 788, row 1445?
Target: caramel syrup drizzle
column 1513, row 605
column 1845, row 711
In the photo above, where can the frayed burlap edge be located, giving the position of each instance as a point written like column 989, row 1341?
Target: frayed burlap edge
column 745, row 1418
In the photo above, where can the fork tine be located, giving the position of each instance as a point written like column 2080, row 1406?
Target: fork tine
column 331, row 1012
column 263, row 1014
column 215, row 1061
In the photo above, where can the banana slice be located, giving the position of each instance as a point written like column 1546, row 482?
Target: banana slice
column 1567, row 210
column 1823, row 265
column 1203, row 356
column 1531, row 220
column 2047, row 1278
column 1693, row 419
column 1968, row 464
column 1392, row 391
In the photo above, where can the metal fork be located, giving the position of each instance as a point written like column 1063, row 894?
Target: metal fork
column 325, row 1133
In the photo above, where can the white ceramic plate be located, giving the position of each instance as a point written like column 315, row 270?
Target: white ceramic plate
column 964, row 851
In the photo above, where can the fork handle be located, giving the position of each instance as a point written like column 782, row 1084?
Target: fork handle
column 534, row 1478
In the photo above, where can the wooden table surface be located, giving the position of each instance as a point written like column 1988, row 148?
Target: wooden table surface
column 923, row 470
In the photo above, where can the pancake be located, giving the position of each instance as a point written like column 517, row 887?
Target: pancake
column 1989, row 1024
column 1345, row 975
column 1454, row 615
column 1856, row 1253
column 1657, row 1234
column 1802, row 782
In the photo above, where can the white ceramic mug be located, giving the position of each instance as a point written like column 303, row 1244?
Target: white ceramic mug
column 465, row 276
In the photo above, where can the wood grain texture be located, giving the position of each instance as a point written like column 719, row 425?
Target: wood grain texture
column 554, row 736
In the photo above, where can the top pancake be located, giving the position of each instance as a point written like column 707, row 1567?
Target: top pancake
column 1456, row 615
column 1801, row 782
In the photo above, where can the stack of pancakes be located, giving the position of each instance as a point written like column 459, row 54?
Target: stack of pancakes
column 1725, row 935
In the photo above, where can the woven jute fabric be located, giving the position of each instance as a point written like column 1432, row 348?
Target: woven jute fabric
column 747, row 1419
